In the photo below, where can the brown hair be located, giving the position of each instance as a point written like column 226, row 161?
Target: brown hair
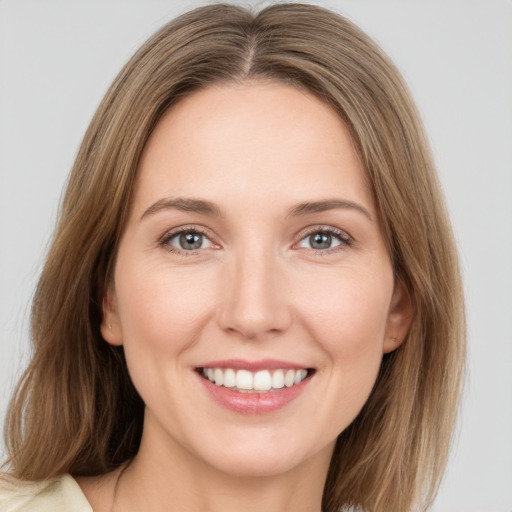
column 76, row 410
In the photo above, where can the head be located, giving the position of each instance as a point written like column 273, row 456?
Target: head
column 394, row 451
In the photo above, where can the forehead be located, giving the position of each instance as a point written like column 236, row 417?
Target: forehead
column 250, row 140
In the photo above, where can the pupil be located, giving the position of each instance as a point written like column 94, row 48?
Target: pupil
column 320, row 241
column 191, row 240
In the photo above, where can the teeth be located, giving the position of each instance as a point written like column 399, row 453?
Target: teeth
column 229, row 378
column 289, row 378
column 262, row 381
column 300, row 376
column 246, row 381
column 218, row 376
column 278, row 379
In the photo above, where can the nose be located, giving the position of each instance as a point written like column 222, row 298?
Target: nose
column 255, row 301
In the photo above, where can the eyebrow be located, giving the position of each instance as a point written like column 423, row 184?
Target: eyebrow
column 211, row 209
column 185, row 205
column 325, row 205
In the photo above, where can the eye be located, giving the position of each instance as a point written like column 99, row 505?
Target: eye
column 325, row 239
column 187, row 240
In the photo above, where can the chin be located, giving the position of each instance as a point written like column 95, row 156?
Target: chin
column 258, row 466
column 265, row 457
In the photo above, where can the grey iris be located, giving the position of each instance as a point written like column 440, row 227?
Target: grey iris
column 320, row 241
column 191, row 240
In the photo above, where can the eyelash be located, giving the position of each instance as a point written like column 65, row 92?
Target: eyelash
column 344, row 239
column 164, row 241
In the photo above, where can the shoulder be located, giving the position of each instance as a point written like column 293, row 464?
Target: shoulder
column 60, row 494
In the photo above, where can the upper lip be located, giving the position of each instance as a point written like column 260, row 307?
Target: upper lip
column 253, row 366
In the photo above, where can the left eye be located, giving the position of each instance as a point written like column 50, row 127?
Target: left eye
column 321, row 240
column 189, row 241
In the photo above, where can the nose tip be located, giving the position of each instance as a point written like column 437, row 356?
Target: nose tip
column 255, row 301
column 252, row 327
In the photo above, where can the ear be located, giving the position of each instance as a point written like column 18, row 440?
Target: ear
column 400, row 317
column 110, row 323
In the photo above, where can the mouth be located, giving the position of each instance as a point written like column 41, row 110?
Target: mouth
column 254, row 387
column 261, row 381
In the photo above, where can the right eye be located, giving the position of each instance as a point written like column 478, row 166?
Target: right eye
column 186, row 240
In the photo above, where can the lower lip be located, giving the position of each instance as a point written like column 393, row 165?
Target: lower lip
column 253, row 403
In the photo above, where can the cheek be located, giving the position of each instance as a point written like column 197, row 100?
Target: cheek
column 162, row 313
column 161, row 303
column 348, row 320
column 349, row 324
column 352, row 307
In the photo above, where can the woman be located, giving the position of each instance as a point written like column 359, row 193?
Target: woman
column 252, row 298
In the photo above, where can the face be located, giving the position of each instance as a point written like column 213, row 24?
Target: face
column 253, row 291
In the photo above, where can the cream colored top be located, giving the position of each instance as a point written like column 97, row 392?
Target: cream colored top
column 60, row 494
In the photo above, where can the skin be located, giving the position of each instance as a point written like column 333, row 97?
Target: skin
column 257, row 288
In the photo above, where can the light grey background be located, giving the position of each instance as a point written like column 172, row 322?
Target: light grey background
column 58, row 57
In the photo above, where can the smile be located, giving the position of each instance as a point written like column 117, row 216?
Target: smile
column 254, row 387
column 245, row 381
